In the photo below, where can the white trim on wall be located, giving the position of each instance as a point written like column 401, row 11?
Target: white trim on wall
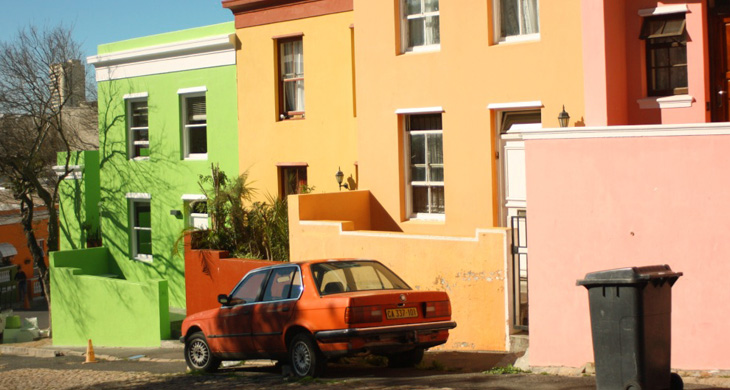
column 183, row 91
column 193, row 197
column 419, row 110
column 136, row 95
column 676, row 101
column 137, row 195
column 516, row 105
column 682, row 130
column 173, row 57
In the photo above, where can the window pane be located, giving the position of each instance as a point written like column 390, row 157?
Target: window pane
column 142, row 215
column 418, row 149
column 432, row 34
column 435, row 149
column 424, row 122
column 413, row 7
column 144, row 242
column 279, row 285
column 249, row 290
column 431, row 5
column 661, row 81
column 508, row 22
column 679, row 77
column 420, row 199
column 437, row 200
column 198, row 142
column 530, row 17
column 678, row 55
column 418, row 173
column 436, row 173
column 196, row 110
column 660, row 58
column 139, row 114
column 415, row 32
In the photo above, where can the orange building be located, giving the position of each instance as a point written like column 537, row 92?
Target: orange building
column 442, row 88
column 295, row 94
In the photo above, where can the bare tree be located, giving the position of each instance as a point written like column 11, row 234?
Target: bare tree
column 41, row 78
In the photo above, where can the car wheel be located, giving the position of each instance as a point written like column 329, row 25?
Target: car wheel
column 405, row 359
column 198, row 355
column 305, row 357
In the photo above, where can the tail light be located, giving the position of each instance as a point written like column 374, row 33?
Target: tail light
column 437, row 309
column 362, row 314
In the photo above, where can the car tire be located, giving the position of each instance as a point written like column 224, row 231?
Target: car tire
column 406, row 359
column 305, row 357
column 198, row 355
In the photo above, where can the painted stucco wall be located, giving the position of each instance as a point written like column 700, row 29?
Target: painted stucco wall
column 468, row 73
column 605, row 203
column 165, row 176
column 110, row 311
column 472, row 270
column 78, row 207
column 615, row 63
column 325, row 139
column 12, row 233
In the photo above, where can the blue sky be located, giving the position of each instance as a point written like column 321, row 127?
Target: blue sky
column 103, row 21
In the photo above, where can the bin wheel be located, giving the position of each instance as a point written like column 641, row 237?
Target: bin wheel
column 675, row 382
column 633, row 385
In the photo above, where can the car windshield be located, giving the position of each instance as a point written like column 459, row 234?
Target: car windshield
column 344, row 276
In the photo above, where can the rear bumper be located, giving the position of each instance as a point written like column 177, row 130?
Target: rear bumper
column 383, row 339
column 340, row 334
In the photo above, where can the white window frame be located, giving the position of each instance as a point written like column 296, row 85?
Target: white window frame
column 185, row 94
column 405, row 32
column 513, row 38
column 129, row 99
column 405, row 114
column 133, row 200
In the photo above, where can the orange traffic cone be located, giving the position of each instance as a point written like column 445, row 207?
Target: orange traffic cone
column 90, row 358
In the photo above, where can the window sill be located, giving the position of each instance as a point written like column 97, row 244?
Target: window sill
column 428, row 218
column 518, row 39
column 662, row 102
column 422, row 49
column 140, row 158
column 143, row 258
column 196, row 157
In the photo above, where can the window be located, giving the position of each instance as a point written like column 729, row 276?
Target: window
column 141, row 231
column 520, row 120
column 666, row 55
column 198, row 214
column 249, row 289
column 516, row 19
column 284, row 283
column 292, row 180
column 291, row 78
column 426, row 164
column 420, row 24
column 195, row 126
column 138, row 128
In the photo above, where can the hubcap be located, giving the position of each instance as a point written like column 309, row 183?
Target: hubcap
column 198, row 353
column 301, row 358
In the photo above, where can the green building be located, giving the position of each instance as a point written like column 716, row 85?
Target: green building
column 167, row 112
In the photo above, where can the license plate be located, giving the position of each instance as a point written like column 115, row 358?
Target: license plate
column 407, row 312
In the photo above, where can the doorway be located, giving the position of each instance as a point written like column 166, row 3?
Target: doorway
column 719, row 35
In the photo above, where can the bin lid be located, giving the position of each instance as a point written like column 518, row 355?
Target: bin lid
column 630, row 275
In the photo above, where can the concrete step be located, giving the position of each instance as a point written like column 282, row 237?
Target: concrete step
column 519, row 342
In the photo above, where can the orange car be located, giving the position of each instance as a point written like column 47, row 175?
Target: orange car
column 305, row 313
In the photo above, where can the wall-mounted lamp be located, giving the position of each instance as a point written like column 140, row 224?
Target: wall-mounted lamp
column 340, row 176
column 176, row 213
column 563, row 118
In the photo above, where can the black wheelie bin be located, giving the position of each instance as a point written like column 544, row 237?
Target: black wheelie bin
column 631, row 315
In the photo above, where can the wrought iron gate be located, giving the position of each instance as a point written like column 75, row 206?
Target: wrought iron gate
column 518, row 223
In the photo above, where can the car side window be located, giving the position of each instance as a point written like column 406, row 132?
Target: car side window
column 249, row 289
column 284, row 283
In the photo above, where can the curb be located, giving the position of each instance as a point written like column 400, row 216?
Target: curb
column 34, row 352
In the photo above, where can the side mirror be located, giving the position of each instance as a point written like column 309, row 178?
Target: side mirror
column 224, row 300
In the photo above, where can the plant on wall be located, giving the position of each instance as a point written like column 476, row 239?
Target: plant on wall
column 256, row 230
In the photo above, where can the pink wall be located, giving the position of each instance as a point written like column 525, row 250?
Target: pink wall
column 614, row 63
column 598, row 204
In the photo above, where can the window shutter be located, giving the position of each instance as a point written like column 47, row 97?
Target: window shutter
column 196, row 109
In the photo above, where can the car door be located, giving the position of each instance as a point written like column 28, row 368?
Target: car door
column 272, row 314
column 235, row 318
